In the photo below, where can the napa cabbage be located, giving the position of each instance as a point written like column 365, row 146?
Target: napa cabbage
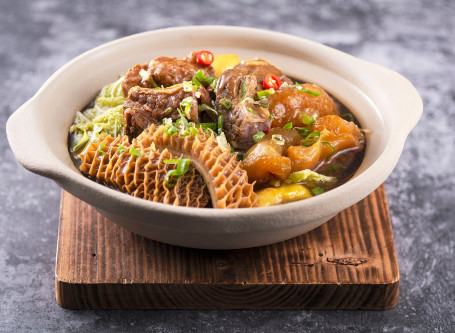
column 103, row 119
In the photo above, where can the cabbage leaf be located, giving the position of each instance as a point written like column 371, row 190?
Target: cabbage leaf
column 308, row 176
column 104, row 118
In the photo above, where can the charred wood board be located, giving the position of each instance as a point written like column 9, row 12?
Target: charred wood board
column 347, row 263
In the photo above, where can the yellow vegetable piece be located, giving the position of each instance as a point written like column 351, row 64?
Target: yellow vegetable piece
column 285, row 193
column 223, row 62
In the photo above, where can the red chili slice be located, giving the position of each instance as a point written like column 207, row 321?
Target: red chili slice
column 204, row 58
column 271, row 81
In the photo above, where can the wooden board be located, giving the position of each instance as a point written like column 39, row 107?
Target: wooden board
column 347, row 263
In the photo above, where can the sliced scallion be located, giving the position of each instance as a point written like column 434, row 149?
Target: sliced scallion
column 258, row 136
column 100, row 149
column 196, row 83
column 136, row 153
column 182, row 167
column 307, row 91
column 333, row 149
column 311, row 138
column 121, row 149
column 205, row 107
column 186, row 105
column 264, row 93
column 205, row 126
column 193, row 131
column 204, row 79
column 170, row 130
column 226, row 103
column 278, row 139
column 187, row 86
column 220, row 124
column 307, row 120
column 303, row 131
column 243, row 90
column 288, row 125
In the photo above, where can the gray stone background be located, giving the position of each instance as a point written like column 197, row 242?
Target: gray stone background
column 415, row 38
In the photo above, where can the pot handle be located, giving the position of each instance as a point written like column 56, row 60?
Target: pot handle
column 26, row 136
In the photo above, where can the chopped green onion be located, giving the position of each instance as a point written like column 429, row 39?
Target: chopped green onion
column 311, row 138
column 121, row 149
column 278, row 139
column 250, row 110
column 136, row 153
column 307, row 91
column 288, row 125
column 100, row 149
column 213, row 85
column 186, row 105
column 182, row 120
column 348, row 117
column 243, row 90
column 205, row 126
column 205, row 107
column 204, row 79
column 196, row 83
column 258, row 136
column 271, row 116
column 303, row 131
column 193, row 131
column 220, row 124
column 317, row 190
column 171, row 161
column 226, row 103
column 333, row 149
column 183, row 166
column 168, row 110
column 307, row 120
column 170, row 130
column 187, row 86
column 264, row 93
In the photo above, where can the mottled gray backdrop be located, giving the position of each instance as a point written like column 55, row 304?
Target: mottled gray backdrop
column 415, row 38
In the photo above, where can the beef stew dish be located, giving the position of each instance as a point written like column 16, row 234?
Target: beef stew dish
column 215, row 131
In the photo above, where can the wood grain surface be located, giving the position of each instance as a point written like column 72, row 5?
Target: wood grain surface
column 347, row 263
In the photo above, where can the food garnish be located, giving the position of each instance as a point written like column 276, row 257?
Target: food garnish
column 271, row 81
column 204, row 58
column 307, row 91
column 183, row 165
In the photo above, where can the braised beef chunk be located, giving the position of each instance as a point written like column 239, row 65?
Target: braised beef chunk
column 242, row 116
column 260, row 68
column 164, row 71
column 133, row 78
column 145, row 106
column 168, row 71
